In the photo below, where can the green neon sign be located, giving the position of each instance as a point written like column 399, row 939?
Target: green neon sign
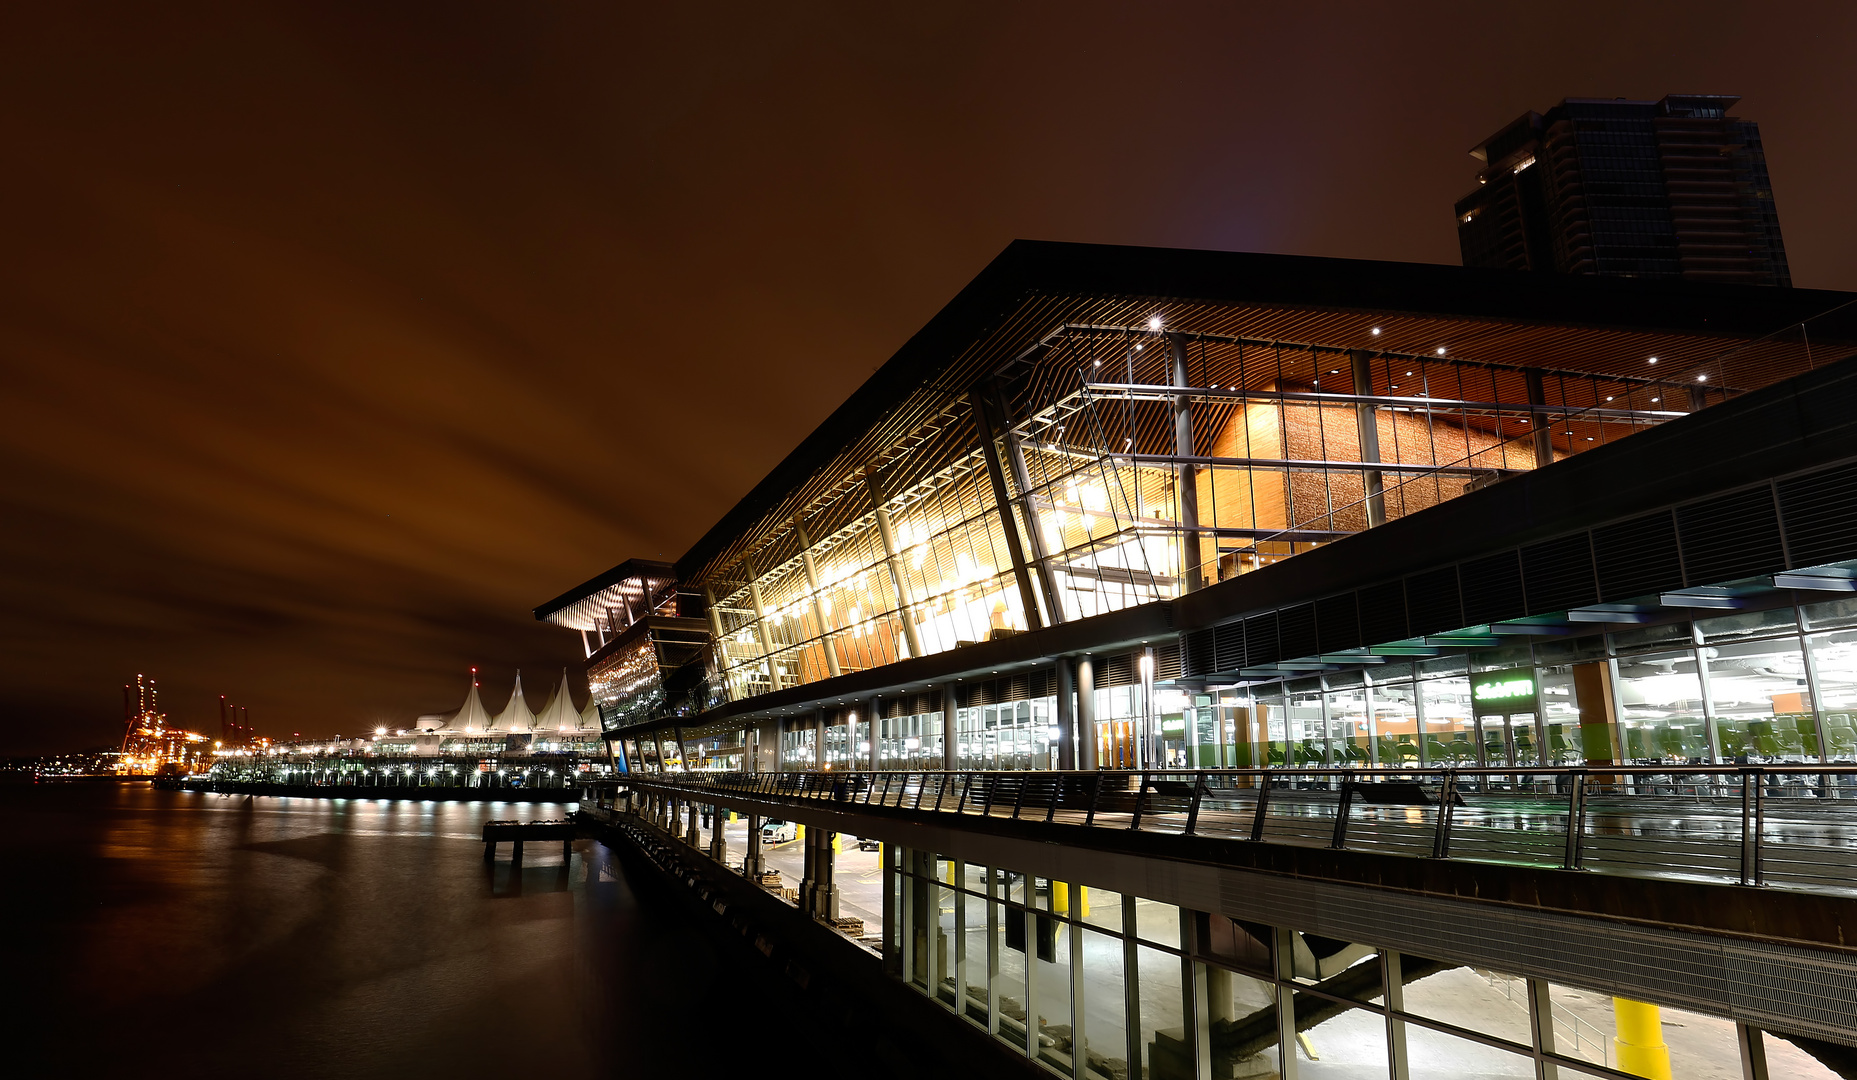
column 1503, row 687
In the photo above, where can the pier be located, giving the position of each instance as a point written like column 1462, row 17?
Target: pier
column 496, row 832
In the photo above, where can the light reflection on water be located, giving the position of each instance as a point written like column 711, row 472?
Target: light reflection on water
column 200, row 935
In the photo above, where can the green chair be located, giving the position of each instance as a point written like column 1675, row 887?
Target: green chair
column 1840, row 736
column 1733, row 736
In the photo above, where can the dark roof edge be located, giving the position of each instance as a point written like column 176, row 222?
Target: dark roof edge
column 626, row 569
column 1296, row 280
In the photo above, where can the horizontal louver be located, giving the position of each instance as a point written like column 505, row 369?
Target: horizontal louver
column 1260, row 640
column 1734, row 536
column 1559, row 574
column 1637, row 557
column 1820, row 512
column 1431, row 601
column 1492, row 588
column 1167, row 661
column 1228, row 646
column 1337, row 623
column 1296, row 632
column 1383, row 612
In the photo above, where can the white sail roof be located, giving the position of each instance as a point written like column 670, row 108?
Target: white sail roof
column 515, row 719
column 471, row 718
column 558, row 715
column 590, row 716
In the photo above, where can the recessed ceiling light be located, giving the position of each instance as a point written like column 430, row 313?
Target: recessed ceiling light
column 1376, row 331
column 1154, row 322
column 1653, row 359
column 1702, row 378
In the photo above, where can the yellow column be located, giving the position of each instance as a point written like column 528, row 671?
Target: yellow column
column 837, row 843
column 1083, row 902
column 799, row 831
column 1060, row 898
column 1640, row 1039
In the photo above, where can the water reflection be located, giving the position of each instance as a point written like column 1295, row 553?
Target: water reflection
column 182, row 934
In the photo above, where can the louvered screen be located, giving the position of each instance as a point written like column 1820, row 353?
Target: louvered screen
column 1296, row 632
column 1201, row 653
column 1167, row 661
column 1116, row 670
column 1383, row 612
column 1260, row 640
column 1820, row 512
column 1337, row 623
column 1734, row 536
column 1637, row 557
column 1431, row 601
column 1492, row 588
column 1558, row 574
column 1228, row 646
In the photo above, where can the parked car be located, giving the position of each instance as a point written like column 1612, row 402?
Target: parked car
column 865, row 843
column 778, row 832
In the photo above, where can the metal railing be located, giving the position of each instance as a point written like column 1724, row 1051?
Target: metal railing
column 1785, row 825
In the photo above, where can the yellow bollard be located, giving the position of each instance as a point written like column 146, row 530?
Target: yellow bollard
column 837, row 842
column 732, row 818
column 1060, row 898
column 799, row 831
column 1640, row 1039
column 1083, row 902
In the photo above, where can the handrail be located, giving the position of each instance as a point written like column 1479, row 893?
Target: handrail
column 1757, row 825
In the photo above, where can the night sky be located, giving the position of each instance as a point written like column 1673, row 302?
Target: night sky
column 335, row 339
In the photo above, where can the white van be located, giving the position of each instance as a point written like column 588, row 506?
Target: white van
column 778, row 832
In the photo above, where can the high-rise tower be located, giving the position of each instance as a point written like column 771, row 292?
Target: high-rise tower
column 1670, row 188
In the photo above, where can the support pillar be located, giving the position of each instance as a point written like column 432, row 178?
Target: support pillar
column 912, row 637
column 809, row 870
column 812, row 593
column 1187, row 478
column 1086, row 714
column 1002, row 504
column 676, row 820
column 1538, row 421
column 949, row 758
column 1066, row 717
column 825, row 888
column 753, row 864
column 718, row 843
column 695, row 837
column 1368, row 423
column 818, row 740
column 760, row 622
column 876, row 726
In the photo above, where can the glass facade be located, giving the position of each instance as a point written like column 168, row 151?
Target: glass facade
column 1094, row 985
column 1117, row 469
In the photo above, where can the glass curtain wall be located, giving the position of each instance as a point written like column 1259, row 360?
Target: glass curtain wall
column 1107, row 986
column 1774, row 686
column 1129, row 459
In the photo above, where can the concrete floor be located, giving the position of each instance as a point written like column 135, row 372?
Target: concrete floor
column 1350, row 1045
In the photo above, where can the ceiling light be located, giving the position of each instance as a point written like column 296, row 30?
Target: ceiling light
column 1656, row 400
column 1376, row 331
column 1702, row 378
column 1653, row 359
column 1608, row 397
column 1154, row 322
column 1440, row 350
